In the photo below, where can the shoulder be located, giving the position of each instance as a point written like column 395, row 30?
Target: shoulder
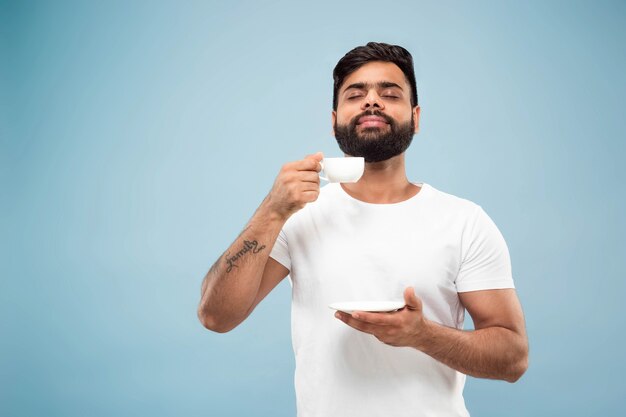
column 443, row 201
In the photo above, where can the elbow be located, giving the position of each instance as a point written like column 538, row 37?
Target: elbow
column 518, row 369
column 211, row 323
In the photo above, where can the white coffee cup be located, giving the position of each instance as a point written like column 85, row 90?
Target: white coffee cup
column 347, row 169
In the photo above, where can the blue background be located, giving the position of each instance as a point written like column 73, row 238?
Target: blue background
column 137, row 139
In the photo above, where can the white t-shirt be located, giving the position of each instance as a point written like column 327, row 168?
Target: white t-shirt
column 342, row 249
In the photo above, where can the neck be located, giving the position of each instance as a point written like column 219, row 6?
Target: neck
column 383, row 182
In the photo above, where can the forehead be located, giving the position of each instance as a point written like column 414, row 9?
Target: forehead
column 374, row 72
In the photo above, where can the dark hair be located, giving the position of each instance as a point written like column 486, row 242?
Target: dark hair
column 371, row 52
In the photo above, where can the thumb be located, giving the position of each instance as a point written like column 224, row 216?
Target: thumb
column 318, row 155
column 411, row 300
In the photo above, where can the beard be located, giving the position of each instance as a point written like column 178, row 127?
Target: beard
column 372, row 144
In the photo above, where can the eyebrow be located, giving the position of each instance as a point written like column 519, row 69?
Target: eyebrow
column 367, row 86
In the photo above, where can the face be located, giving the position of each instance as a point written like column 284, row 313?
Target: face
column 374, row 117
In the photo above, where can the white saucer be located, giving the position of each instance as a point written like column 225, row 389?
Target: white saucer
column 372, row 306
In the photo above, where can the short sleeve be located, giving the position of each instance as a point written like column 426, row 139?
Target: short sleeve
column 485, row 260
column 280, row 251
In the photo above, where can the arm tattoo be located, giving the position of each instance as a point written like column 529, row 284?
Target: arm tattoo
column 247, row 246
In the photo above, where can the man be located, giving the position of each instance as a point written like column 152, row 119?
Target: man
column 380, row 238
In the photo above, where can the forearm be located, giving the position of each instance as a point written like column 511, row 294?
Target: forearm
column 232, row 283
column 494, row 352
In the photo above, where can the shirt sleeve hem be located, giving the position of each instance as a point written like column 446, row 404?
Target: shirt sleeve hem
column 279, row 258
column 486, row 284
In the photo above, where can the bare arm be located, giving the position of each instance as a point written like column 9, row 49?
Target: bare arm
column 496, row 349
column 232, row 283
column 242, row 276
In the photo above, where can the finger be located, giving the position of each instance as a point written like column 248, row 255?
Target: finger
column 357, row 324
column 379, row 319
column 411, row 300
column 318, row 156
column 309, row 176
column 310, row 196
column 308, row 164
column 309, row 187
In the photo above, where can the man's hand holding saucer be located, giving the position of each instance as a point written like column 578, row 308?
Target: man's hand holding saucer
column 405, row 327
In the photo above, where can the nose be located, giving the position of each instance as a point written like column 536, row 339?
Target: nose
column 372, row 100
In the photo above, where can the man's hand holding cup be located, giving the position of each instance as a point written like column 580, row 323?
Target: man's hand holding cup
column 297, row 184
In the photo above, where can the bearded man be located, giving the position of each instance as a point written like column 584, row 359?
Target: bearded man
column 380, row 238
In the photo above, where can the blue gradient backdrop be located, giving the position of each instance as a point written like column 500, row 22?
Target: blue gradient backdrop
column 137, row 138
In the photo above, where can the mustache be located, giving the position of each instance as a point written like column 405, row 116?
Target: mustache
column 378, row 113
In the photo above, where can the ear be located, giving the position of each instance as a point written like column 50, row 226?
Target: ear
column 333, row 120
column 416, row 119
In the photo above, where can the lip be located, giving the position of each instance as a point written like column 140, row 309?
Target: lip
column 372, row 121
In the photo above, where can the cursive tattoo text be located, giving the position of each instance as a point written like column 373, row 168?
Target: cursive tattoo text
column 247, row 246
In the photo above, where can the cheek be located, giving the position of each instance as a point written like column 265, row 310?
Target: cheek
column 402, row 118
column 347, row 111
column 343, row 118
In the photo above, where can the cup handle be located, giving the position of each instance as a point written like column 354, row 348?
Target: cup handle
column 322, row 170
